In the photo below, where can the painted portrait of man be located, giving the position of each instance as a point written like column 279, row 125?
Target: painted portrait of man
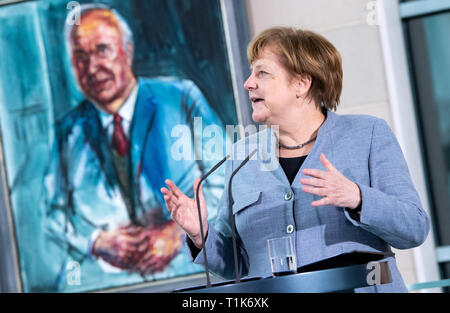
column 110, row 157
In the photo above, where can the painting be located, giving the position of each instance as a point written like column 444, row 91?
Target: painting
column 90, row 95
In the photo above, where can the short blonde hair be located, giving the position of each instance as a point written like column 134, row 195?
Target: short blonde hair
column 304, row 52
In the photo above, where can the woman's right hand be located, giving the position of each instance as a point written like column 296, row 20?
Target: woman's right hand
column 184, row 210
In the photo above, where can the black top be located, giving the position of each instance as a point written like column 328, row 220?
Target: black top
column 291, row 166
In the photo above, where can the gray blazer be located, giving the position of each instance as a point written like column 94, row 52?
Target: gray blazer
column 365, row 150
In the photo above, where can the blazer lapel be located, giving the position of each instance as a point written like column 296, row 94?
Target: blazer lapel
column 144, row 113
column 98, row 142
column 323, row 144
column 268, row 155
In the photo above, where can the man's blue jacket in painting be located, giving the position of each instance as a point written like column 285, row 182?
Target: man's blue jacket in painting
column 82, row 184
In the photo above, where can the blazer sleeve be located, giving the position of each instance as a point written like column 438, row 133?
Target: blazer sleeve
column 219, row 245
column 391, row 207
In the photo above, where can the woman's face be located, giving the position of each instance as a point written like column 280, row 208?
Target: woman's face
column 270, row 88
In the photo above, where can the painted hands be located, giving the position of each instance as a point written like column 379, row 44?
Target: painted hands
column 119, row 247
column 332, row 185
column 138, row 249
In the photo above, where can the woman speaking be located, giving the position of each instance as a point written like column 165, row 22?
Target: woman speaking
column 343, row 185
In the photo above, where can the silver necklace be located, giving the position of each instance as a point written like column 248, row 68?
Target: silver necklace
column 297, row 146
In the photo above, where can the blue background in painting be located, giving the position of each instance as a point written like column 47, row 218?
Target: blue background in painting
column 181, row 38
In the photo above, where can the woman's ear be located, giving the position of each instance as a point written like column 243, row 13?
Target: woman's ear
column 302, row 85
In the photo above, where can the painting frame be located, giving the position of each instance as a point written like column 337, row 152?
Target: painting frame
column 236, row 30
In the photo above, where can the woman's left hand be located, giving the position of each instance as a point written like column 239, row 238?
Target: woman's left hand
column 332, row 185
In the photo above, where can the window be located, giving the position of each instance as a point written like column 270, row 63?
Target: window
column 426, row 26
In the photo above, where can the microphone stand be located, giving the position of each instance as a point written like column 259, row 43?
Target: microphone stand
column 208, row 281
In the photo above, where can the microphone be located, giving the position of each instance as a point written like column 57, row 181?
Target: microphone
column 215, row 167
column 230, row 208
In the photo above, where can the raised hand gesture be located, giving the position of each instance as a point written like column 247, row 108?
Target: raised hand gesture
column 184, row 210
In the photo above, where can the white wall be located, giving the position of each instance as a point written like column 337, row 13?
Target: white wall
column 348, row 25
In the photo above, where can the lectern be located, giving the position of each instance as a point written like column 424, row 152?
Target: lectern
column 341, row 279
